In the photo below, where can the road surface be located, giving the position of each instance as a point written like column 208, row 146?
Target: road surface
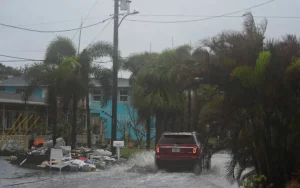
column 137, row 173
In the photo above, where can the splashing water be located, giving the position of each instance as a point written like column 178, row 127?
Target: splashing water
column 138, row 172
column 142, row 162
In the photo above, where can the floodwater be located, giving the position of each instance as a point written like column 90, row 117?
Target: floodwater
column 136, row 173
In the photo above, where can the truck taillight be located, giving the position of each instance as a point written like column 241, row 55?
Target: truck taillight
column 157, row 149
column 195, row 150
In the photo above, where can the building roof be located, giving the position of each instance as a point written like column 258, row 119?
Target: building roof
column 14, row 81
column 17, row 98
column 20, row 82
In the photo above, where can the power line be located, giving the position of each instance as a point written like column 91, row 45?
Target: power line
column 82, row 22
column 7, row 61
column 205, row 16
column 201, row 19
column 164, row 15
column 23, row 59
column 27, row 51
column 54, row 31
column 20, row 58
column 100, row 32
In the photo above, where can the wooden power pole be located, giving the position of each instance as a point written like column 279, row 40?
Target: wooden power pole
column 115, row 76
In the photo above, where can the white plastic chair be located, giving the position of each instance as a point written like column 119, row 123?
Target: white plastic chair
column 57, row 154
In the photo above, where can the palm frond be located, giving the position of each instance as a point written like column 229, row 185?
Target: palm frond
column 58, row 49
column 136, row 61
column 262, row 63
column 69, row 64
column 100, row 49
column 214, row 104
column 245, row 75
column 104, row 77
column 184, row 52
column 293, row 71
column 85, row 61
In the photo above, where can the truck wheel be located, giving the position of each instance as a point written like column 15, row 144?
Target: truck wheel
column 208, row 164
column 198, row 168
column 157, row 166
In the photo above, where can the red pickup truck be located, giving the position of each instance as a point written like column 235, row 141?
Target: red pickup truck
column 182, row 149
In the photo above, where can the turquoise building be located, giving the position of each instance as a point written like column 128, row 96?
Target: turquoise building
column 11, row 95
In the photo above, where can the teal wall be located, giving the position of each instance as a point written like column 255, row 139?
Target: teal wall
column 122, row 115
column 10, row 89
column 38, row 92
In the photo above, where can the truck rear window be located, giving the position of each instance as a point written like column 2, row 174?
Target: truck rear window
column 177, row 139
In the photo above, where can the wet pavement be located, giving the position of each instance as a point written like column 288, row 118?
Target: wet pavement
column 137, row 173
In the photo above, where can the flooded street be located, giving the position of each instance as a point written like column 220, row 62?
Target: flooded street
column 137, row 173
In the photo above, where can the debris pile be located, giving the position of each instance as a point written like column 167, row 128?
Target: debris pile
column 61, row 157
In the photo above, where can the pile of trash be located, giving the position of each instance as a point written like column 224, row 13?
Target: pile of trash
column 61, row 157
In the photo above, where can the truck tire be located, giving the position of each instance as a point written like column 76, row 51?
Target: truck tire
column 157, row 166
column 197, row 169
column 208, row 164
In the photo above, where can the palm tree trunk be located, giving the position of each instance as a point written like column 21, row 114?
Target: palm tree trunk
column 159, row 126
column 148, row 127
column 88, row 121
column 189, row 110
column 74, row 121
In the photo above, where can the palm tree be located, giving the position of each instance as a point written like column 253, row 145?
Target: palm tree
column 190, row 64
column 134, row 64
column 42, row 75
column 252, row 80
column 73, row 90
column 157, row 87
column 63, row 48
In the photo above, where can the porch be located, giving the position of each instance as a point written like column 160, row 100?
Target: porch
column 18, row 117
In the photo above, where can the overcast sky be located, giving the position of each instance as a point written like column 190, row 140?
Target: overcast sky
column 133, row 36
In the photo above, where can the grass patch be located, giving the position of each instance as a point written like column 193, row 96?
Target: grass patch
column 213, row 141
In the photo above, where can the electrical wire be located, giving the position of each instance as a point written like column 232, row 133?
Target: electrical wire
column 205, row 16
column 163, row 15
column 86, row 17
column 100, row 32
column 54, row 31
column 20, row 58
column 7, row 61
column 201, row 19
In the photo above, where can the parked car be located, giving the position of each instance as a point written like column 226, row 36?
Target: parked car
column 182, row 149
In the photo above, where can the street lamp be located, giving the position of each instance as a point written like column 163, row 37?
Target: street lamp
column 132, row 13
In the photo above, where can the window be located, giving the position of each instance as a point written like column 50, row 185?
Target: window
column 96, row 98
column 44, row 92
column 1, row 88
column 123, row 95
column 96, row 94
column 177, row 139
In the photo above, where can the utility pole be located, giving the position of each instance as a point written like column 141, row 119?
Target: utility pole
column 115, row 76
column 79, row 37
